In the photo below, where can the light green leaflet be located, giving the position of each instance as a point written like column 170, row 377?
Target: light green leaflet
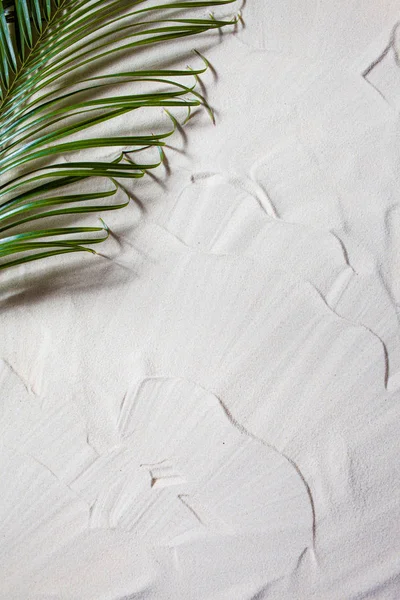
column 46, row 97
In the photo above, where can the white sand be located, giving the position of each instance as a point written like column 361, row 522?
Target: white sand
column 212, row 411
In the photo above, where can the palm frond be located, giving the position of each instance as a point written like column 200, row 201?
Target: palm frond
column 58, row 84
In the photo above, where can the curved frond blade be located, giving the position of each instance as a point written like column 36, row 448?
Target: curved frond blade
column 59, row 86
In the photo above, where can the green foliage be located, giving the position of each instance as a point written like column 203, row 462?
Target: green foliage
column 48, row 50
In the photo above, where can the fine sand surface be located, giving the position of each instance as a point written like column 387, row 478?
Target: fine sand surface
column 210, row 410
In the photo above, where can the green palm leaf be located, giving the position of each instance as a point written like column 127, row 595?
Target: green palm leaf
column 50, row 53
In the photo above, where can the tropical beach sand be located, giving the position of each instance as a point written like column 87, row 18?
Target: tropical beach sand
column 210, row 410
